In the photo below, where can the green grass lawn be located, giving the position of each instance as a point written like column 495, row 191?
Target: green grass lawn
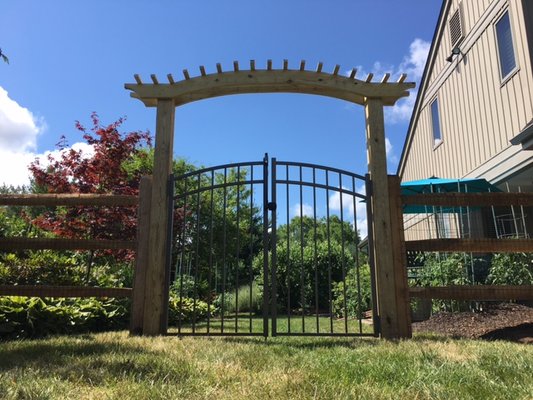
column 116, row 366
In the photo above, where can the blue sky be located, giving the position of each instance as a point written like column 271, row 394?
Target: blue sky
column 68, row 59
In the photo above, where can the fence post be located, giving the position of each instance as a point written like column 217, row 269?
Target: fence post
column 141, row 257
column 403, row 301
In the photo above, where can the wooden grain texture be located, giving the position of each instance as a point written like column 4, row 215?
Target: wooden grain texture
column 472, row 245
column 141, row 257
column 63, row 291
column 381, row 219
column 403, row 303
column 474, row 292
column 469, row 199
column 71, row 199
column 269, row 81
column 156, row 296
column 15, row 244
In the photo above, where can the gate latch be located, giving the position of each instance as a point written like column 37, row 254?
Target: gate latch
column 272, row 206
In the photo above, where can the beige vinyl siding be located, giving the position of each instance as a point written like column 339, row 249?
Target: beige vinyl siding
column 478, row 114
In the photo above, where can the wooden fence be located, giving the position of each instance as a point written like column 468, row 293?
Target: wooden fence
column 471, row 292
column 51, row 200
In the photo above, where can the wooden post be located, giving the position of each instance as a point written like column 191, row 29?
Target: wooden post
column 381, row 219
column 156, row 294
column 141, row 258
column 403, row 301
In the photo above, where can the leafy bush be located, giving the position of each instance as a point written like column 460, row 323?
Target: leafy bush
column 43, row 267
column 187, row 309
column 511, row 269
column 30, row 317
column 358, row 297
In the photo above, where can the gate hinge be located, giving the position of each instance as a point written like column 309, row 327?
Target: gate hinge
column 272, row 206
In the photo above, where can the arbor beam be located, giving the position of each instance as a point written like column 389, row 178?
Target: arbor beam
column 269, row 81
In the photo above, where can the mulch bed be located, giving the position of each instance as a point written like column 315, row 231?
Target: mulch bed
column 505, row 321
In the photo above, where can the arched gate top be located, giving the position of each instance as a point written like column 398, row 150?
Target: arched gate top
column 269, row 80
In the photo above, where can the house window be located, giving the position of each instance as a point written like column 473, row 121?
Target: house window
column 505, row 45
column 435, row 120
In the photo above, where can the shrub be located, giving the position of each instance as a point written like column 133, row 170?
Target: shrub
column 186, row 309
column 241, row 302
column 358, row 297
column 511, row 269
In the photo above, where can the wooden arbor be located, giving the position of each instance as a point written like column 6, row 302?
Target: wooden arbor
column 391, row 282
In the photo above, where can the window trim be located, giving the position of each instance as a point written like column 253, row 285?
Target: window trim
column 436, row 141
column 510, row 74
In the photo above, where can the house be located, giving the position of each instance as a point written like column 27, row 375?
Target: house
column 473, row 116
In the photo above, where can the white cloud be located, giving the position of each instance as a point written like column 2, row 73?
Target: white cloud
column 413, row 65
column 19, row 128
column 348, row 209
column 307, row 210
column 391, row 155
column 19, row 131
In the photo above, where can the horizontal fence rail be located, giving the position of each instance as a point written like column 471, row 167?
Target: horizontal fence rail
column 63, row 291
column 64, row 244
column 469, row 199
column 471, row 245
column 474, row 292
column 75, row 199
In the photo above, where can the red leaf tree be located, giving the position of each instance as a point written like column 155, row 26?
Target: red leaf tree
column 101, row 172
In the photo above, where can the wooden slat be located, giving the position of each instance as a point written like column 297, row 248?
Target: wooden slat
column 385, row 78
column 170, row 79
column 285, row 65
column 319, row 67
column 13, row 244
column 156, row 294
column 154, row 79
column 403, row 304
column 202, row 70
column 381, row 221
column 474, row 292
column 74, row 199
column 353, row 72
column 219, row 68
column 236, row 66
column 472, row 245
column 141, row 258
column 402, row 78
column 186, row 74
column 469, row 199
column 252, row 65
column 138, row 79
column 302, row 65
column 369, row 77
column 269, row 65
column 62, row 291
column 336, row 69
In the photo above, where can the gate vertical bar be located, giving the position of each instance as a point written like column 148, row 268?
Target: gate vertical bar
column 273, row 250
column 371, row 260
column 266, row 293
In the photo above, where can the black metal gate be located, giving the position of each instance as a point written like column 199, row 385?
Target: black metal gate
column 293, row 263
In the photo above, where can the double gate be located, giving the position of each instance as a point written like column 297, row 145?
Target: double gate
column 271, row 247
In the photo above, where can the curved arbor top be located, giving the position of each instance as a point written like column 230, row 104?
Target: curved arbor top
column 269, row 80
